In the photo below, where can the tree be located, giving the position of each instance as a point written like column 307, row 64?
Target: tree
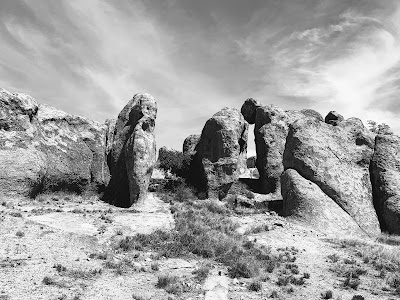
column 379, row 128
column 174, row 161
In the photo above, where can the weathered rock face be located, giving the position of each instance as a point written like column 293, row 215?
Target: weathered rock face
column 385, row 177
column 221, row 152
column 336, row 158
column 190, row 143
column 133, row 152
column 270, row 131
column 333, row 118
column 312, row 114
column 304, row 201
column 42, row 148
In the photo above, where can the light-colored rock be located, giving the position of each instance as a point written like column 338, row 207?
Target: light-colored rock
column 133, row 154
column 216, row 288
column 336, row 158
column 221, row 152
column 306, row 202
column 385, row 177
column 50, row 149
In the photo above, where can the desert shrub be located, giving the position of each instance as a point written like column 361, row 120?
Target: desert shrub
column 206, row 234
column 174, row 161
column 155, row 266
column 379, row 128
column 394, row 282
column 358, row 297
column 255, row 286
column 171, row 284
column 16, row 214
column 202, row 272
column 327, row 294
column 333, row 257
column 20, row 233
column 352, row 282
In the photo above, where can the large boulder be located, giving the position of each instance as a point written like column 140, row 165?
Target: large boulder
column 42, row 148
column 385, row 177
column 336, row 158
column 270, row 131
column 74, row 147
column 305, row 202
column 221, row 153
column 133, row 152
column 190, row 143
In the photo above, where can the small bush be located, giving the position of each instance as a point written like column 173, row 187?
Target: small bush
column 47, row 280
column 358, row 297
column 306, row 275
column 155, row 266
column 333, row 258
column 202, row 273
column 60, row 268
column 16, row 214
column 255, row 286
column 20, row 233
column 165, row 280
column 174, row 161
column 352, row 282
column 274, row 294
column 327, row 295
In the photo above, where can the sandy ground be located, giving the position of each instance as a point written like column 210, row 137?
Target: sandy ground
column 37, row 235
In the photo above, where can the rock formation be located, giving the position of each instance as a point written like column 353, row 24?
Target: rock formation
column 190, row 143
column 385, row 177
column 336, row 158
column 333, row 118
column 221, row 152
column 42, row 148
column 133, row 152
column 303, row 200
column 270, row 131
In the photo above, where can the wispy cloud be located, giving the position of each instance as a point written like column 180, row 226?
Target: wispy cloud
column 89, row 57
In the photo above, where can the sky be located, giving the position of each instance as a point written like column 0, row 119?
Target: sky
column 89, row 57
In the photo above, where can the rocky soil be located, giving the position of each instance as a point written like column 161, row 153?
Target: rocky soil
column 63, row 246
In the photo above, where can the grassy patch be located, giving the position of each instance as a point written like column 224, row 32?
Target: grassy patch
column 206, row 230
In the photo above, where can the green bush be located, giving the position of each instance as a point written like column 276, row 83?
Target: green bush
column 174, row 161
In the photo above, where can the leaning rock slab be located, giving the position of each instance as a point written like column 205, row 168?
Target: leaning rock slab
column 133, row 152
column 385, row 176
column 306, row 202
column 221, row 152
column 336, row 158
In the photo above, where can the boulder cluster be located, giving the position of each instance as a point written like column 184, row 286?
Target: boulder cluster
column 45, row 149
column 332, row 173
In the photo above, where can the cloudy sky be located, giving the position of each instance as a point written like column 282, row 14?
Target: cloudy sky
column 89, row 57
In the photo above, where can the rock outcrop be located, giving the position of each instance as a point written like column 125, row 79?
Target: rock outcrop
column 385, row 177
column 270, row 131
column 336, row 158
column 133, row 152
column 333, row 118
column 304, row 201
column 221, row 152
column 190, row 143
column 42, row 148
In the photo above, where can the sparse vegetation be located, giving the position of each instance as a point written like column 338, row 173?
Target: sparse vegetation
column 202, row 272
column 174, row 161
column 327, row 294
column 16, row 214
column 20, row 233
column 255, row 285
column 379, row 128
